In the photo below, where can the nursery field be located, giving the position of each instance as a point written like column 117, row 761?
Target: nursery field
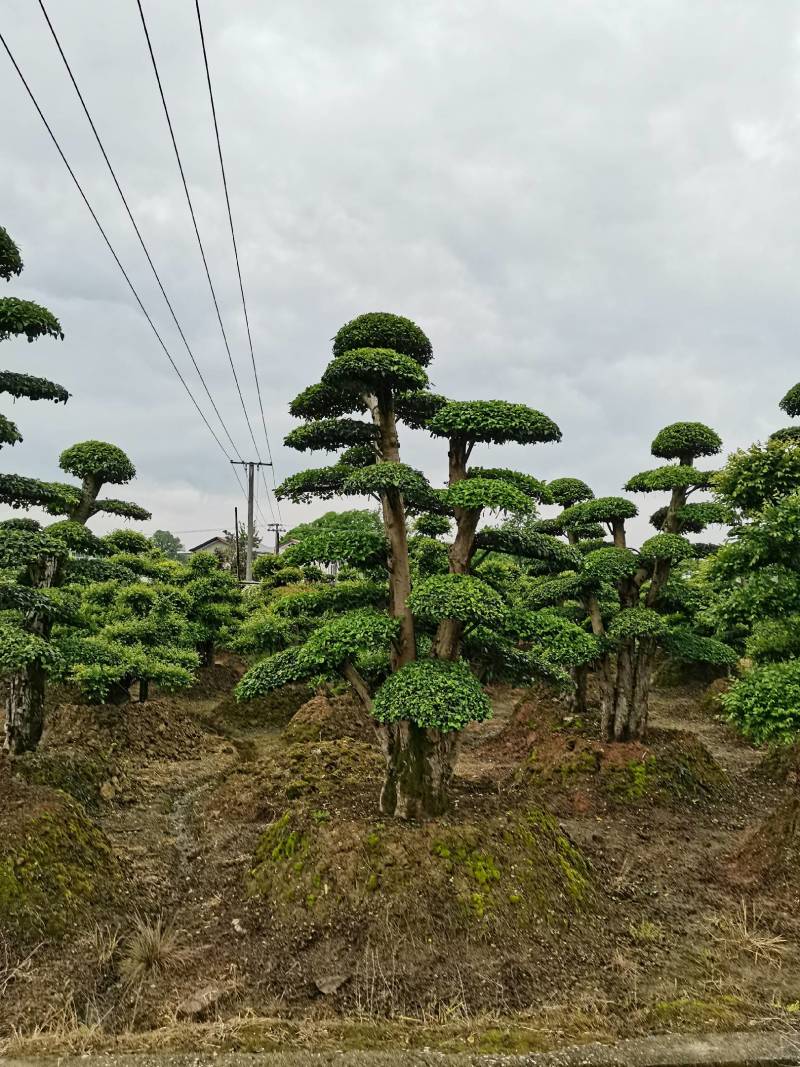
column 193, row 872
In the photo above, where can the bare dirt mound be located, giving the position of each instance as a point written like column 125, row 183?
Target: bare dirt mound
column 323, row 719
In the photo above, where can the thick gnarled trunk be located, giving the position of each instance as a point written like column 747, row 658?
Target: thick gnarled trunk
column 25, row 710
column 625, row 692
column 419, row 769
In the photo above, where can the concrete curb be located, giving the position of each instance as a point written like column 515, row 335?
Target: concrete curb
column 710, row 1050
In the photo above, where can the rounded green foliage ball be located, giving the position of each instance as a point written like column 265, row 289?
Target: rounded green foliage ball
column 383, row 476
column 493, row 422
column 278, row 670
column 433, row 694
column 10, row 259
column 432, row 525
column 674, row 476
column 786, row 433
column 672, row 548
column 569, row 491
column 330, row 434
column 334, row 643
column 98, row 460
column 686, row 441
column 610, row 564
column 128, row 541
column 526, row 483
column 457, row 596
column 765, row 702
column 23, row 317
column 475, row 494
column 604, row 509
column 374, row 368
column 636, row 623
column 380, row 329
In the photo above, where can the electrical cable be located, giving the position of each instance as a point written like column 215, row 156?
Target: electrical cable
column 236, row 254
column 194, row 221
column 137, row 231
column 111, row 249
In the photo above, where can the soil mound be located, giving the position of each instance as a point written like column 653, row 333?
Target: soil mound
column 272, row 711
column 343, row 893
column 769, row 856
column 157, row 729
column 324, row 719
column 56, row 867
column 559, row 754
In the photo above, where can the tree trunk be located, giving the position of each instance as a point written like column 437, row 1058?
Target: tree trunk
column 394, row 518
column 419, row 768
column 119, row 692
column 206, row 650
column 25, row 710
column 577, row 698
column 144, row 690
column 625, row 694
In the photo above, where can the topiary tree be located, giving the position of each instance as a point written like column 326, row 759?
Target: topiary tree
column 211, row 602
column 37, row 562
column 127, row 632
column 414, row 618
column 622, row 591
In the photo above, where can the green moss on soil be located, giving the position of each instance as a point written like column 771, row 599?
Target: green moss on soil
column 680, row 768
column 79, row 774
column 690, row 1013
column 673, row 767
column 55, row 864
column 514, row 869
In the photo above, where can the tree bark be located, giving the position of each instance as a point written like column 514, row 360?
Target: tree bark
column 144, row 690
column 419, row 769
column 394, row 522
column 577, row 698
column 25, row 710
column 625, row 692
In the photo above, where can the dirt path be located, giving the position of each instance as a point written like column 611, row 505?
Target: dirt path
column 679, row 709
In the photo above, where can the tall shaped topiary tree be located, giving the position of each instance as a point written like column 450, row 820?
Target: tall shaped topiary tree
column 38, row 561
column 402, row 648
column 623, row 591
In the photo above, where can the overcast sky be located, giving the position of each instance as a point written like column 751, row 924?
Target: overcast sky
column 590, row 206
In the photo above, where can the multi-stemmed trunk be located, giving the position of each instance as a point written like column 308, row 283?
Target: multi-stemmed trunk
column 419, row 769
column 625, row 692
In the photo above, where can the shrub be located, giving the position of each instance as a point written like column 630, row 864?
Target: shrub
column 765, row 703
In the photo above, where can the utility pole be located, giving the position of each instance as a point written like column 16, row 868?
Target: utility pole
column 276, row 526
column 251, row 477
column 236, row 537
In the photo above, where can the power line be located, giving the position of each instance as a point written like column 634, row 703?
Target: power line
column 117, row 260
column 269, row 496
column 194, row 220
column 236, row 250
column 135, row 225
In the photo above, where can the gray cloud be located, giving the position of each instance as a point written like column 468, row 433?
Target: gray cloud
column 590, row 207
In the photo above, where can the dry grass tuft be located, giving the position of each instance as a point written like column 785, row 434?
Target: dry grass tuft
column 745, row 932
column 152, row 946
